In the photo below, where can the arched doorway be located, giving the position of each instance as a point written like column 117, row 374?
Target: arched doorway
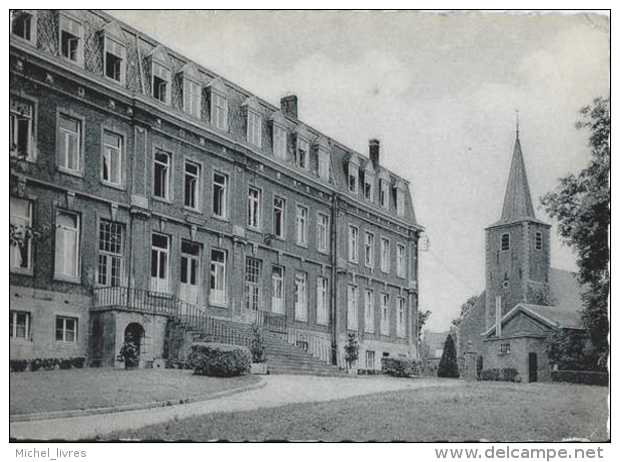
column 133, row 340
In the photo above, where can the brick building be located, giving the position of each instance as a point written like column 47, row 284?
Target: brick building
column 176, row 198
column 525, row 299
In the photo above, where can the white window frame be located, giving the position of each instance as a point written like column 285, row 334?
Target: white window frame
column 252, row 282
column 369, row 249
column 64, row 329
column 254, row 207
column 191, row 262
column 301, row 296
column 108, row 256
column 352, row 307
column 369, row 186
column 401, row 317
column 192, row 97
column 354, row 243
column 322, row 300
column 118, row 50
column 75, row 29
column 107, row 150
column 219, row 110
column 323, row 158
column 13, row 325
column 223, row 197
column 254, row 128
column 278, row 289
column 301, row 224
column 322, row 237
column 167, row 166
column 302, row 146
column 370, row 360
column 401, row 261
column 197, row 185
column 160, row 284
column 385, row 259
column 385, row 314
column 32, row 26
column 353, row 177
column 279, row 211
column 280, row 141
column 25, row 222
column 66, row 133
column 16, row 113
column 62, row 274
column 400, row 201
column 218, row 272
column 160, row 72
column 384, row 194
column 369, row 311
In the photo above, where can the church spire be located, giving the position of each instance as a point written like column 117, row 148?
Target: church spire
column 517, row 200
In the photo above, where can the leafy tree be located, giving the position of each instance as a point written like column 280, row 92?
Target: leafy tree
column 351, row 350
column 422, row 318
column 448, row 366
column 465, row 307
column 580, row 204
column 570, row 350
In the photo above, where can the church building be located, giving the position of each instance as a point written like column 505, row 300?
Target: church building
column 525, row 300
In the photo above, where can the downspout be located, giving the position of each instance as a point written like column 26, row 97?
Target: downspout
column 334, row 293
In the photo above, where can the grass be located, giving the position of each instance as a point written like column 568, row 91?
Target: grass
column 468, row 412
column 75, row 389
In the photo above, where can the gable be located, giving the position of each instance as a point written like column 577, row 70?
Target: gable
column 521, row 324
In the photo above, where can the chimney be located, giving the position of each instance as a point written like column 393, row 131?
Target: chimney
column 288, row 105
column 373, row 151
column 498, row 316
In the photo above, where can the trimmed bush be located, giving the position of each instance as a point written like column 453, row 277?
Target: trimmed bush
column 36, row 364
column 507, row 374
column 583, row 377
column 18, row 365
column 448, row 365
column 399, row 367
column 78, row 363
column 219, row 359
column 49, row 364
column 65, row 363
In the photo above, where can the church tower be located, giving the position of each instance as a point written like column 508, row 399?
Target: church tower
column 517, row 248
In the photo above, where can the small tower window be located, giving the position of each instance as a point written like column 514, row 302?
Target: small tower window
column 539, row 240
column 505, row 241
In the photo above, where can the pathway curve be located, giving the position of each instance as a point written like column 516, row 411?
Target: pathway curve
column 279, row 390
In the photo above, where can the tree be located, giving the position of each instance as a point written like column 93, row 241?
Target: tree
column 351, row 350
column 580, row 204
column 570, row 350
column 465, row 307
column 448, row 367
column 422, row 318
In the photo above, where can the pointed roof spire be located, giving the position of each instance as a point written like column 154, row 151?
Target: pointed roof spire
column 517, row 200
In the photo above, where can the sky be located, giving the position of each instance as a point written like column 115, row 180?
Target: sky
column 439, row 90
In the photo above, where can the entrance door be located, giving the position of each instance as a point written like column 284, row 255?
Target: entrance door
column 134, row 335
column 533, row 367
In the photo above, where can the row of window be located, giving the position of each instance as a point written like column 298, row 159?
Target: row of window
column 364, row 180
column 369, row 252
column 505, row 241
column 369, row 311
column 20, row 322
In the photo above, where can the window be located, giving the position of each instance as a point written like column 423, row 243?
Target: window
column 505, row 241
column 252, row 283
column 504, row 348
column 190, row 263
column 353, row 177
column 161, row 83
column 539, row 240
column 254, row 199
column 322, row 302
column 20, row 251
column 114, row 60
column 400, row 201
column 353, row 243
column 161, row 175
column 322, row 232
column 369, row 312
column 279, row 207
column 369, row 249
column 400, row 318
column 110, row 259
column 22, row 25
column 384, row 198
column 21, row 128
column 19, row 324
column 301, row 156
column 219, row 110
column 277, row 289
column 217, row 277
column 385, row 255
column 385, row 314
column 111, row 165
column 323, row 164
column 192, row 98
column 401, row 260
column 67, row 251
column 220, row 195
column 70, row 143
column 66, row 329
column 302, row 225
column 192, row 185
column 71, row 39
column 352, row 295
column 368, row 186
column 370, row 359
column 279, row 142
column 255, row 127
column 300, row 299
column 160, row 249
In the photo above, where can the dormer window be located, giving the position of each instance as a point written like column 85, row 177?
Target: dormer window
column 353, row 175
column 369, row 183
column 160, row 75
column 301, row 153
column 400, row 199
column 219, row 104
column 23, row 25
column 254, row 121
column 384, row 195
column 323, row 158
column 71, row 38
column 279, row 135
column 115, row 57
column 192, row 90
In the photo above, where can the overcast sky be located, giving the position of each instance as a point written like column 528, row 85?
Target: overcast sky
column 439, row 90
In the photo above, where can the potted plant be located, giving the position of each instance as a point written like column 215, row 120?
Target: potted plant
column 351, row 353
column 257, row 348
column 129, row 354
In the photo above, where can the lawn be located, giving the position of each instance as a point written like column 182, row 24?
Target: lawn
column 468, row 412
column 76, row 389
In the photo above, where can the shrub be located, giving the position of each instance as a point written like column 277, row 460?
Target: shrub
column 18, row 365
column 50, row 364
column 448, row 366
column 507, row 374
column 582, row 377
column 36, row 364
column 351, row 350
column 257, row 346
column 399, row 367
column 220, row 360
column 78, row 362
column 65, row 363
